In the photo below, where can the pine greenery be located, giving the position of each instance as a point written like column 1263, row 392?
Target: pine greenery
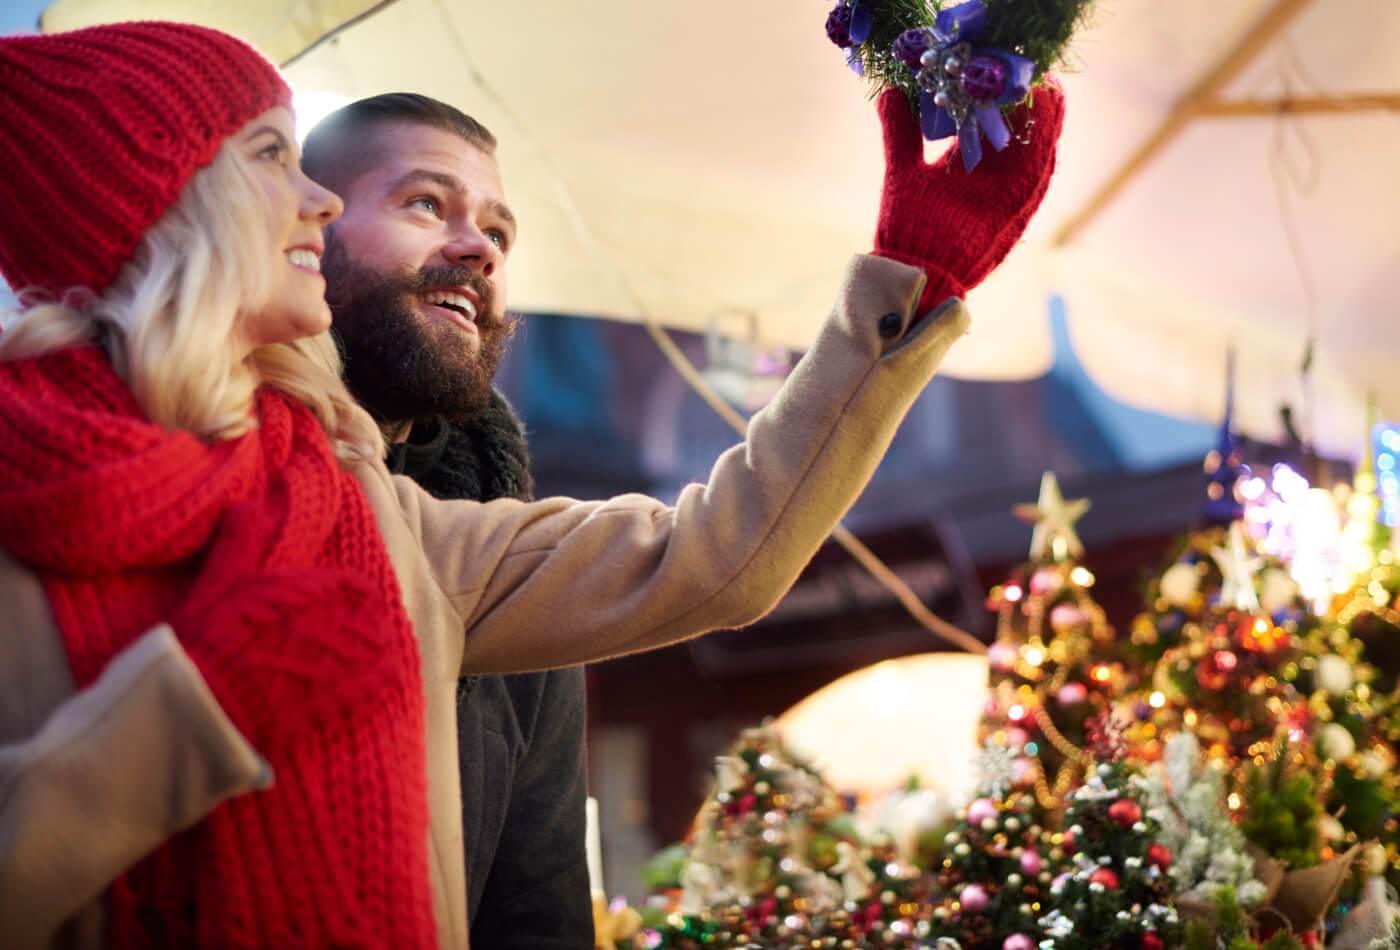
column 1039, row 30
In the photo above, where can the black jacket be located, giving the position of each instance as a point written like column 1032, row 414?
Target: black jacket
column 519, row 738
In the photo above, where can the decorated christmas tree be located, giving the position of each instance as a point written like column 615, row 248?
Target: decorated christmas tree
column 1349, row 673
column 1332, row 541
column 1118, row 892
column 1186, row 596
column 1228, row 675
column 996, row 867
column 1049, row 666
column 775, row 860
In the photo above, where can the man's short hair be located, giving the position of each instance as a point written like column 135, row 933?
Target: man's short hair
column 337, row 149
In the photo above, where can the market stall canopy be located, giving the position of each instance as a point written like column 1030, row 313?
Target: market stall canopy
column 678, row 161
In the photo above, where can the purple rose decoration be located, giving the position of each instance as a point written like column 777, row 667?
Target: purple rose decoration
column 838, row 26
column 910, row 46
column 983, row 78
column 961, row 86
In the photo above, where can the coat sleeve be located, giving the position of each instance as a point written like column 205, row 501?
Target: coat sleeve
column 115, row 769
column 557, row 582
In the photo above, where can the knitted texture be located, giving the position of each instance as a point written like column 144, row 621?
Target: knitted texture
column 100, row 128
column 266, row 555
column 483, row 458
column 957, row 226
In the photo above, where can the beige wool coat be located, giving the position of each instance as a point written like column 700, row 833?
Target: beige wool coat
column 91, row 781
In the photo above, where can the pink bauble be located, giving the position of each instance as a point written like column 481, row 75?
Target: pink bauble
column 1066, row 617
column 1043, row 580
column 1001, row 656
column 1072, row 693
column 1031, row 863
column 980, row 810
column 1018, row 942
column 974, row 899
column 1023, row 771
column 1016, row 736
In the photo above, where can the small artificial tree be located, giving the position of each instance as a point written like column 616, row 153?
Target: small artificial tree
column 775, row 859
column 1186, row 796
column 1280, row 811
column 1226, row 677
column 996, row 867
column 1118, row 892
column 1049, row 668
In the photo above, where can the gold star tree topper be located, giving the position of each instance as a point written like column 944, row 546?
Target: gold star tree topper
column 1054, row 537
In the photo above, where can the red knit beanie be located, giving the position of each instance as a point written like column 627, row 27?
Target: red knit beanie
column 100, row 128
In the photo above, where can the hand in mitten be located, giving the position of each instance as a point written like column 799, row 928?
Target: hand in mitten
column 282, row 648
column 958, row 226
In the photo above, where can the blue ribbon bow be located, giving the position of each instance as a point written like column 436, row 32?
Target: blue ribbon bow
column 948, row 103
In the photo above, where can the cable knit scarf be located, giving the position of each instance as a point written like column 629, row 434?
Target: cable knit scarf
column 287, row 606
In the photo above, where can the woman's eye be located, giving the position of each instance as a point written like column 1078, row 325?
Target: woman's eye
column 429, row 205
column 273, row 152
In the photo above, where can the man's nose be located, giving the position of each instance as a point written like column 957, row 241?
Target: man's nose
column 469, row 247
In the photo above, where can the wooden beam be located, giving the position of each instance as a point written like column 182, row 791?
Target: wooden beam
column 1185, row 109
column 1311, row 105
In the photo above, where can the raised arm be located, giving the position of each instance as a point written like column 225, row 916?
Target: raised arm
column 559, row 582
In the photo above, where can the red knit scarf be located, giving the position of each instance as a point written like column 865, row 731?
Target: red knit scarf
column 118, row 516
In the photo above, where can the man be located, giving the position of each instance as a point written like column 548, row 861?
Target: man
column 416, row 277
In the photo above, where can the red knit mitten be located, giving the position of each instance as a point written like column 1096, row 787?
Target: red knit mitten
column 282, row 648
column 959, row 226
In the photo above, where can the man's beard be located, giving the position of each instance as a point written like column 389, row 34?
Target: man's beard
column 402, row 365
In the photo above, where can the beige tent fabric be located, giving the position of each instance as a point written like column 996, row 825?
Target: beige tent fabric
column 682, row 159
column 282, row 29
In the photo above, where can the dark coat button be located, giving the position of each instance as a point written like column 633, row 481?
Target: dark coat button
column 891, row 325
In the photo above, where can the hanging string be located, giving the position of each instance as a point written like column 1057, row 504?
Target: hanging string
column 1283, row 171
column 906, row 596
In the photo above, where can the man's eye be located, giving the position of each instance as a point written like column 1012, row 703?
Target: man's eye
column 497, row 238
column 429, row 205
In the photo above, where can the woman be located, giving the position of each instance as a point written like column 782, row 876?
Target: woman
column 175, row 445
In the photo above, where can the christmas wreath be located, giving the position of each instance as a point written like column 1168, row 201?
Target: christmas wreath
column 961, row 64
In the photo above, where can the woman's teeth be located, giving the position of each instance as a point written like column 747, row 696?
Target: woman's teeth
column 304, row 258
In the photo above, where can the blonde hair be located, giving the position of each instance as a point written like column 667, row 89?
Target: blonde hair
column 168, row 320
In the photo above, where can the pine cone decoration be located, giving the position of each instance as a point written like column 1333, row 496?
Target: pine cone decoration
column 976, row 930
column 1096, row 823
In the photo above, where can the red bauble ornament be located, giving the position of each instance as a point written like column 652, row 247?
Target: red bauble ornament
column 1210, row 676
column 1150, row 941
column 1106, row 877
column 1125, row 812
column 1069, row 844
column 1159, row 856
